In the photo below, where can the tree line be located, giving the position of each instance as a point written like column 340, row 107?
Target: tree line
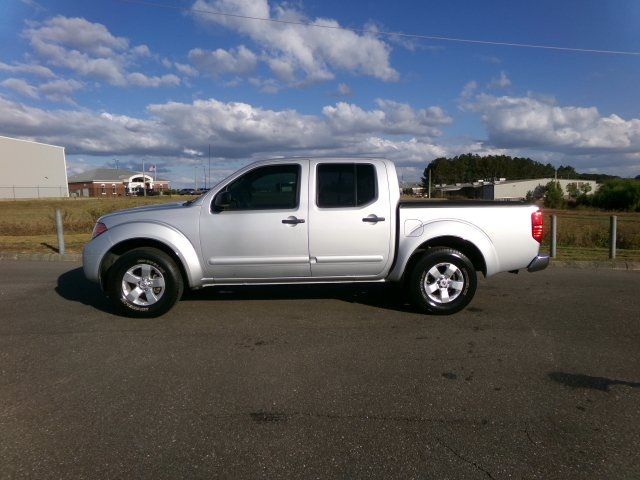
column 472, row 167
column 614, row 193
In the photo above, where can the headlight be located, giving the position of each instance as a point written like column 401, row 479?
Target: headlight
column 99, row 229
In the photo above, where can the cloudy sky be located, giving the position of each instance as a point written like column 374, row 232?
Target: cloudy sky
column 112, row 80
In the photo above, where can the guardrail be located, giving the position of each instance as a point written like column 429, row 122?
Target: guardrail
column 612, row 232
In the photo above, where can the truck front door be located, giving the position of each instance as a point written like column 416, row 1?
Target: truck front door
column 257, row 226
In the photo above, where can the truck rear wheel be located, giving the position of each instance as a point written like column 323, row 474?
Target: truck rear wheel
column 144, row 283
column 443, row 281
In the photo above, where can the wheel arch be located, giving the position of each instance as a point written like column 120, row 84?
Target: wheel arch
column 462, row 236
column 471, row 251
column 125, row 246
column 174, row 243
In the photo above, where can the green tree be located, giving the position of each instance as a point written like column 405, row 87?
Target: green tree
column 554, row 196
column 573, row 191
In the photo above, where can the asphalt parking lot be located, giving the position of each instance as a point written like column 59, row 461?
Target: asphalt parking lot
column 538, row 378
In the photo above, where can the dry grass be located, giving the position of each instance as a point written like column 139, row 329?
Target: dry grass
column 37, row 217
column 28, row 226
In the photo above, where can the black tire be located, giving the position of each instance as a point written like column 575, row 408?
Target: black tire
column 152, row 267
column 454, row 286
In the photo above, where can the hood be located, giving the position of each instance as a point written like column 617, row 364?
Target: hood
column 147, row 212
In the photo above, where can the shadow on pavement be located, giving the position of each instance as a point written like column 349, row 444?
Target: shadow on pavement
column 73, row 285
column 379, row 295
column 587, row 381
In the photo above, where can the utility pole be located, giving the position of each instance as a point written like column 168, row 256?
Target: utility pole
column 429, row 189
column 144, row 181
column 209, row 171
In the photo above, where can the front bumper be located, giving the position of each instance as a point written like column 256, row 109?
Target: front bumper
column 539, row 263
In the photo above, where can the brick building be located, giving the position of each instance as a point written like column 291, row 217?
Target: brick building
column 111, row 182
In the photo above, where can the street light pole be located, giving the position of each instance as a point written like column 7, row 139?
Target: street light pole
column 144, row 182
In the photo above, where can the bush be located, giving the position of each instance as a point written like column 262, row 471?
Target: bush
column 619, row 195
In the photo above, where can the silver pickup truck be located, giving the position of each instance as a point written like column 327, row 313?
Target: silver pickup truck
column 313, row 220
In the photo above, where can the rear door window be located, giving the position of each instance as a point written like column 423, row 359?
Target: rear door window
column 343, row 185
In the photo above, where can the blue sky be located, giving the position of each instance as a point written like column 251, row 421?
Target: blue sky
column 116, row 80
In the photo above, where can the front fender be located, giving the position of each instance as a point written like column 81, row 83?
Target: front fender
column 415, row 233
column 94, row 251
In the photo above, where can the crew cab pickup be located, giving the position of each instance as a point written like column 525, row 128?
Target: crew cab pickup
column 310, row 220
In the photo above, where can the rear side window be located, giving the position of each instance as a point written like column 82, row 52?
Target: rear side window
column 345, row 185
column 267, row 188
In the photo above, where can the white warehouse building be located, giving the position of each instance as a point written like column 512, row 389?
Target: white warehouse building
column 517, row 189
column 32, row 170
column 507, row 189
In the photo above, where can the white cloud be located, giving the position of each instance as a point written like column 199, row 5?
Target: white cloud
column 539, row 123
column 237, row 130
column 389, row 118
column 35, row 5
column 343, row 90
column 283, row 68
column 469, row 90
column 27, row 69
column 81, row 131
column 315, row 52
column 141, row 51
column 219, row 62
column 90, row 50
column 141, row 80
column 55, row 90
column 268, row 85
column 524, row 126
column 21, row 87
column 60, row 90
column 501, row 82
column 77, row 34
column 185, row 69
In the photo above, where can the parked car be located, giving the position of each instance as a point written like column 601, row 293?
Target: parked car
column 310, row 221
column 187, row 191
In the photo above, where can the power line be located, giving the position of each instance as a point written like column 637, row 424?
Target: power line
column 384, row 33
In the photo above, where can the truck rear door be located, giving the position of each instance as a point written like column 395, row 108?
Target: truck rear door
column 349, row 218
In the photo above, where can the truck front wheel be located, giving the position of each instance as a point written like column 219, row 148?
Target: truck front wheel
column 443, row 281
column 144, row 282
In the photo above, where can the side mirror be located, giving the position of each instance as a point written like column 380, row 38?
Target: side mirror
column 222, row 201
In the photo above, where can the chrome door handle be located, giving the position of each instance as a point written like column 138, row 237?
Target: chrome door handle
column 373, row 219
column 292, row 220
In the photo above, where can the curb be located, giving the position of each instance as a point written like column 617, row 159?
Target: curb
column 42, row 257
column 610, row 264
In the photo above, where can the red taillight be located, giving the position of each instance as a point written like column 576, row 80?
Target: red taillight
column 99, row 229
column 537, row 226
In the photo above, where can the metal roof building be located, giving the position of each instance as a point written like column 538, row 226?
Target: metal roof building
column 32, row 170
